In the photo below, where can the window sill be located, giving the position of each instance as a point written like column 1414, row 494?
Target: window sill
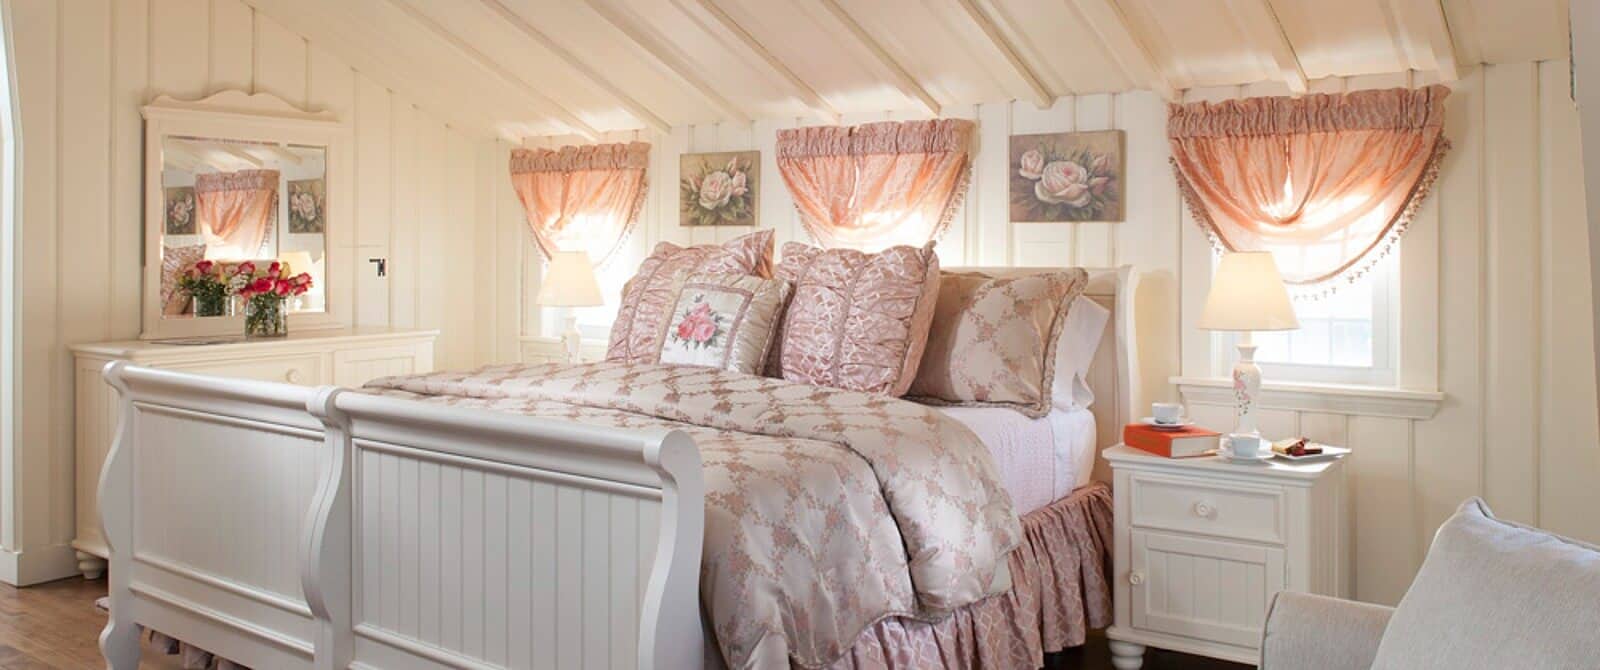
column 1327, row 398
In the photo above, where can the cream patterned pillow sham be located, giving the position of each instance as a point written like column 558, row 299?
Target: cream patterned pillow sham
column 993, row 340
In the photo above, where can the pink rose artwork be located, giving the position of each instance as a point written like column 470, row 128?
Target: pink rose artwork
column 1067, row 177
column 699, row 326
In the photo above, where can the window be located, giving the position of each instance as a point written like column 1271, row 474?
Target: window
column 1350, row 337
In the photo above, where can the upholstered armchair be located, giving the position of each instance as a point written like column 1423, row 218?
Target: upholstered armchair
column 1491, row 594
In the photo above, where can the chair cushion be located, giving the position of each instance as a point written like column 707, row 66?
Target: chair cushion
column 647, row 297
column 858, row 321
column 1492, row 595
column 724, row 321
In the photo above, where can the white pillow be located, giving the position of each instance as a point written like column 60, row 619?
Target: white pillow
column 1075, row 350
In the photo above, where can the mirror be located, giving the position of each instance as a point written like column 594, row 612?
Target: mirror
column 243, row 177
column 230, row 201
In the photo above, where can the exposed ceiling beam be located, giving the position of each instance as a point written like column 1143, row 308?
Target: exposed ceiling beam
column 1423, row 27
column 813, row 100
column 668, row 57
column 437, row 97
column 902, row 78
column 1039, row 94
column 1260, row 25
column 285, row 155
column 561, row 113
column 249, row 158
column 634, row 107
column 1125, row 47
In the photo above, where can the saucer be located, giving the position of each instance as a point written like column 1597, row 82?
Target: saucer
column 1227, row 454
column 1182, row 423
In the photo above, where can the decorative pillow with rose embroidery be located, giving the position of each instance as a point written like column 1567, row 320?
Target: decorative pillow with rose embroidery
column 992, row 343
column 723, row 321
column 647, row 297
column 858, row 321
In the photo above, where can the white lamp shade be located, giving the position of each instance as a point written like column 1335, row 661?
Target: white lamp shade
column 298, row 261
column 569, row 282
column 1247, row 293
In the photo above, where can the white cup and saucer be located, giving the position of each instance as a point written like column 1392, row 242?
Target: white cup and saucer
column 1167, row 416
column 1245, row 448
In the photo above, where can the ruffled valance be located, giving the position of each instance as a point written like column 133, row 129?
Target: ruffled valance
column 584, row 198
column 632, row 155
column 1327, row 183
column 877, row 184
column 243, row 180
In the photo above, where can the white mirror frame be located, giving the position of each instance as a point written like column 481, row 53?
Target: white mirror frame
column 259, row 117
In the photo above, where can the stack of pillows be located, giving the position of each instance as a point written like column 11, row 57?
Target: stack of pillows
column 886, row 323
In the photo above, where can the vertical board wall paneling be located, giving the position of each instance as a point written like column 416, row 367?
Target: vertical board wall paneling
column 83, row 71
column 1569, row 457
column 84, row 110
column 1512, row 213
column 1449, row 448
column 41, row 362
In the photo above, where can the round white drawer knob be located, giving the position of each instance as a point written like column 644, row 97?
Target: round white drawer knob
column 292, row 376
column 1135, row 578
column 1204, row 511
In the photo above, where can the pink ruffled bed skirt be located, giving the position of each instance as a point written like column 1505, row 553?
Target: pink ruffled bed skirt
column 1061, row 588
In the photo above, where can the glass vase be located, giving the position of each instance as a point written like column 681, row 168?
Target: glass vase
column 211, row 305
column 265, row 316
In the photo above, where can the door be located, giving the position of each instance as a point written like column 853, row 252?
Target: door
column 1204, row 589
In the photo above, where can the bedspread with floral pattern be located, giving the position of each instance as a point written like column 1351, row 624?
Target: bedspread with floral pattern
column 826, row 510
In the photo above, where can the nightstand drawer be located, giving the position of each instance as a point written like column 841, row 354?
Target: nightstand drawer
column 1191, row 505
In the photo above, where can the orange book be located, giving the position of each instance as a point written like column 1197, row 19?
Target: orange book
column 1184, row 442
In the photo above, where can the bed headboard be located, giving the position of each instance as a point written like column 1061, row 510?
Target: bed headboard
column 1114, row 374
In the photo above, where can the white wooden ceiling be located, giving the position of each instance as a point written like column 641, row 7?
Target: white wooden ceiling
column 519, row 68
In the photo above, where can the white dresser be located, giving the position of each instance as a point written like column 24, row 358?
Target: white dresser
column 344, row 357
column 1202, row 545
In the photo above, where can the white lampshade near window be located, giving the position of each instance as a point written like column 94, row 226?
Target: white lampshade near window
column 1247, row 294
column 569, row 282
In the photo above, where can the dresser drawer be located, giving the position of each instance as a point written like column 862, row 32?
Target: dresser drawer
column 302, row 369
column 1199, row 506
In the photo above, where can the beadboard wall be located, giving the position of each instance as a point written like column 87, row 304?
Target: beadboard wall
column 1493, row 290
column 83, row 69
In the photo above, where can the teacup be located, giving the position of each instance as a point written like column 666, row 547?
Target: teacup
column 1166, row 412
column 1246, row 446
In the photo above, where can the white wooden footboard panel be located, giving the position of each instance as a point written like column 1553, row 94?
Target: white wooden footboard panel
column 285, row 527
column 204, row 503
column 480, row 557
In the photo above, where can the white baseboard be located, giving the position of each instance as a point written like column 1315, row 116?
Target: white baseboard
column 38, row 565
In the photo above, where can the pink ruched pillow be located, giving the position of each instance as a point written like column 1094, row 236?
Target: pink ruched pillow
column 857, row 321
column 649, row 295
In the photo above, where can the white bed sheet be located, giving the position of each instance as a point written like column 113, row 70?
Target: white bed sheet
column 1041, row 459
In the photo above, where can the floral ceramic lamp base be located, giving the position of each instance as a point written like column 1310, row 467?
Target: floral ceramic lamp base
column 1246, row 388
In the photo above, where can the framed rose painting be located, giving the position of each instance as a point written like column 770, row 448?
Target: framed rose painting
column 180, row 210
column 1067, row 177
column 308, row 199
column 718, row 189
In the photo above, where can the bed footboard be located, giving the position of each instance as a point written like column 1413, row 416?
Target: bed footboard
column 286, row 527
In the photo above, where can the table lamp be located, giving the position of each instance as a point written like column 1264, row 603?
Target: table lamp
column 569, row 282
column 1247, row 294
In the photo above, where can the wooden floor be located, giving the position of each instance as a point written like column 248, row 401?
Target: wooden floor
column 56, row 626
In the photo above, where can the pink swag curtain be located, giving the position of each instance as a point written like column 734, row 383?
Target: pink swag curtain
column 236, row 210
column 879, row 183
column 584, row 197
column 1327, row 183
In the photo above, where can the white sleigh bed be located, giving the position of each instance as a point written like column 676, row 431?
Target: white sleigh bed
column 335, row 529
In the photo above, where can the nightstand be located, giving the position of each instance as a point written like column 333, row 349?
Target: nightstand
column 1202, row 545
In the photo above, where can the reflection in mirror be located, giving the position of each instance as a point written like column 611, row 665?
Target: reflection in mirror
column 229, row 201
